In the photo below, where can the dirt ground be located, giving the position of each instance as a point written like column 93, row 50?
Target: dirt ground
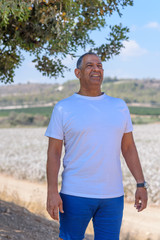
column 17, row 223
column 144, row 225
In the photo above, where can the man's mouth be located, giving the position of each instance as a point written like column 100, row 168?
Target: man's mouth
column 95, row 75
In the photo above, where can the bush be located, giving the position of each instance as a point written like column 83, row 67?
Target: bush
column 20, row 119
column 25, row 119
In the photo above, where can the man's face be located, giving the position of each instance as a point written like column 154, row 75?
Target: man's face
column 91, row 72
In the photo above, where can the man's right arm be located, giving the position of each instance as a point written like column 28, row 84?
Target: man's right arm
column 54, row 201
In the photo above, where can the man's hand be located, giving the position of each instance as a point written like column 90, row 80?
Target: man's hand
column 141, row 199
column 54, row 205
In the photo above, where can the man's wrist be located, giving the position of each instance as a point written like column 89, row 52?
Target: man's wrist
column 143, row 184
column 52, row 190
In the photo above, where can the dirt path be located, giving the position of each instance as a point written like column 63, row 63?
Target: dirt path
column 145, row 225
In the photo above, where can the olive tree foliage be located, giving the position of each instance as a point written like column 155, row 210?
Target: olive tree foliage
column 51, row 30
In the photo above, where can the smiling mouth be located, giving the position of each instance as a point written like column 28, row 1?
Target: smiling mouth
column 95, row 75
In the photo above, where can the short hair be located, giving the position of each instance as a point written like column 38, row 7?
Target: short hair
column 80, row 59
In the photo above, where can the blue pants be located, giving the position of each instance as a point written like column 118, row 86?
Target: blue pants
column 106, row 215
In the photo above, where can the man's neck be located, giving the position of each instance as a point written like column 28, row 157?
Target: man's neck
column 90, row 93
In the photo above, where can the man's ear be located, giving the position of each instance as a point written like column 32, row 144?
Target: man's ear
column 77, row 72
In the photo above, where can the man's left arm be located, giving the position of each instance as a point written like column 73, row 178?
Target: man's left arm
column 131, row 157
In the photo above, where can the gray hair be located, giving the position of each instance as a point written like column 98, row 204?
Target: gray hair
column 80, row 59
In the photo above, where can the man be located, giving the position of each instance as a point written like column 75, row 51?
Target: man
column 95, row 128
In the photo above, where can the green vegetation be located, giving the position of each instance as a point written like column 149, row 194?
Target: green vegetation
column 144, row 110
column 51, row 30
column 140, row 119
column 39, row 116
column 43, row 111
column 46, row 111
column 36, row 94
column 34, row 102
column 23, row 119
column 132, row 91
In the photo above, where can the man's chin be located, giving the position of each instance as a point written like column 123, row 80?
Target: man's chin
column 97, row 81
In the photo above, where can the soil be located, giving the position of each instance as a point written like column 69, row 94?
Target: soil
column 17, row 223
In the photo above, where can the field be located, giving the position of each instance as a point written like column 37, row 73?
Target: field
column 32, row 104
column 46, row 111
column 39, row 116
column 131, row 90
column 23, row 155
column 144, row 110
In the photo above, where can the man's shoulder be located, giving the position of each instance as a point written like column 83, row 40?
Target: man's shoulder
column 116, row 100
column 64, row 102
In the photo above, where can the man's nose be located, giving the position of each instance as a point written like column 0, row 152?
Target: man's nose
column 95, row 68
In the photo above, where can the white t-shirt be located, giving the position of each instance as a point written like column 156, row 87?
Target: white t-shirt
column 92, row 129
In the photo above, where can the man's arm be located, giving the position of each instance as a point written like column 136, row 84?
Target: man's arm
column 130, row 155
column 54, row 201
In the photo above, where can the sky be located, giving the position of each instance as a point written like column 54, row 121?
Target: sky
column 139, row 59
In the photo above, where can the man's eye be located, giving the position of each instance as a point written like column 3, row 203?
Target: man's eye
column 99, row 66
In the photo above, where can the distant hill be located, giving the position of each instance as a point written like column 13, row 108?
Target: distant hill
column 32, row 94
column 31, row 104
column 134, row 91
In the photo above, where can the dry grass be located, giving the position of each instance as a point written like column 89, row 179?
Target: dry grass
column 26, row 157
column 38, row 208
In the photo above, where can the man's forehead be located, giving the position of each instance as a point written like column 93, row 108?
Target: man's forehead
column 98, row 62
column 91, row 59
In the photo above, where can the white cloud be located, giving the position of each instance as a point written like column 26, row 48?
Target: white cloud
column 132, row 49
column 153, row 25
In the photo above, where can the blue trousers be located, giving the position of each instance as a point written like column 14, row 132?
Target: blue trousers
column 106, row 215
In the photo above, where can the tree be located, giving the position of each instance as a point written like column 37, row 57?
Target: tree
column 50, row 30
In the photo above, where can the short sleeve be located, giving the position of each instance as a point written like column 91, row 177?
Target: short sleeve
column 55, row 127
column 129, row 126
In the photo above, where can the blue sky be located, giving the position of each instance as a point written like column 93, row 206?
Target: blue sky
column 139, row 59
